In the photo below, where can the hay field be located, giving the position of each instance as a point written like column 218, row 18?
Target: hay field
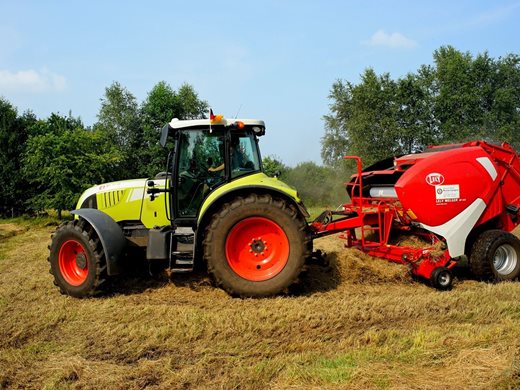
column 360, row 323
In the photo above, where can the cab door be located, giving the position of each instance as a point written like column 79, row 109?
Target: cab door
column 156, row 208
column 199, row 169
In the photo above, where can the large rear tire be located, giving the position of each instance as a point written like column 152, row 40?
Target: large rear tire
column 77, row 259
column 256, row 246
column 495, row 256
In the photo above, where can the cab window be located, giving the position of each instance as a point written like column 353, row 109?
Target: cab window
column 243, row 154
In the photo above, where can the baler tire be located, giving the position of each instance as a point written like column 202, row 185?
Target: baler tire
column 442, row 279
column 495, row 256
column 77, row 260
column 256, row 246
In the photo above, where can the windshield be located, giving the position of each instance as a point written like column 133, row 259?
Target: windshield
column 244, row 154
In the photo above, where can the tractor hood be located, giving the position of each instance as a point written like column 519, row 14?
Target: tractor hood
column 125, row 201
column 111, row 193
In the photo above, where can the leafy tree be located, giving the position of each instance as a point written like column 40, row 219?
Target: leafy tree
column 190, row 106
column 457, row 105
column 119, row 118
column 416, row 122
column 273, row 165
column 160, row 107
column 364, row 119
column 13, row 135
column 63, row 159
column 317, row 185
column 460, row 97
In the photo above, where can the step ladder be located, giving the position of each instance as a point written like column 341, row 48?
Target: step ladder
column 181, row 258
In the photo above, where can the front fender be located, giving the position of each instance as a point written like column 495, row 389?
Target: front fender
column 109, row 233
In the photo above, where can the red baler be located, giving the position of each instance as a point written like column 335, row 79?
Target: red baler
column 461, row 199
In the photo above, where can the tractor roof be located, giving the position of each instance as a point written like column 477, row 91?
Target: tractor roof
column 181, row 124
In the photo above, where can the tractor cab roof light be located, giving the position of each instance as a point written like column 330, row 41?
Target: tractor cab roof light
column 259, row 131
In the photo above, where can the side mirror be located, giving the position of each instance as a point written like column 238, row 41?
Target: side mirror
column 164, row 135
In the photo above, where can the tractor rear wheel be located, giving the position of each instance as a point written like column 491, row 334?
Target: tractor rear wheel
column 256, row 246
column 77, row 259
column 495, row 256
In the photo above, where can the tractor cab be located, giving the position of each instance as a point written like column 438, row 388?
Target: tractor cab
column 206, row 155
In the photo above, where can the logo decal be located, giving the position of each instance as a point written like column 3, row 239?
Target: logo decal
column 435, row 179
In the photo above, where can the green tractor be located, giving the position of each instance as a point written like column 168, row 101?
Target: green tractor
column 213, row 205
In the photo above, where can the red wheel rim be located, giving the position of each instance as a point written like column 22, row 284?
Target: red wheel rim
column 257, row 249
column 73, row 263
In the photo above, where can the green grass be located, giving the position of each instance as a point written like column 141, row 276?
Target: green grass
column 50, row 218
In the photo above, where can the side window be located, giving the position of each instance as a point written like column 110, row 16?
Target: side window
column 244, row 155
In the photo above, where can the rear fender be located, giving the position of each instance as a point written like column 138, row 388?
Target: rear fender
column 110, row 234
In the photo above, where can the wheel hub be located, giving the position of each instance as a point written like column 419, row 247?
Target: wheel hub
column 444, row 279
column 81, row 261
column 258, row 246
column 505, row 259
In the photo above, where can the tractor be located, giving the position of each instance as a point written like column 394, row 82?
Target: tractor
column 213, row 205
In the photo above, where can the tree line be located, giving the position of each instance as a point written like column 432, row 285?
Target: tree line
column 459, row 97
column 48, row 163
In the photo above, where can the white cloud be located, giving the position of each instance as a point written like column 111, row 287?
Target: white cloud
column 393, row 40
column 31, row 81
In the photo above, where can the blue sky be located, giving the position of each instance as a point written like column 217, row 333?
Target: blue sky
column 273, row 60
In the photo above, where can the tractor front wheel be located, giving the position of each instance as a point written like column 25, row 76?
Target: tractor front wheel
column 495, row 256
column 77, row 259
column 256, row 246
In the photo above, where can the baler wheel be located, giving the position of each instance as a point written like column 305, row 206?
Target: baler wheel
column 495, row 256
column 77, row 259
column 441, row 278
column 255, row 246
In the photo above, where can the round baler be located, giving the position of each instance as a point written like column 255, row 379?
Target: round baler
column 460, row 200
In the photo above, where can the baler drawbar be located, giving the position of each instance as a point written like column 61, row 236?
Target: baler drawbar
column 459, row 200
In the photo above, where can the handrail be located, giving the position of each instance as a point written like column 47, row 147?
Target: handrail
column 359, row 180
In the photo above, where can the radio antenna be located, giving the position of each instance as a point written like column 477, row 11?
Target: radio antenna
column 239, row 108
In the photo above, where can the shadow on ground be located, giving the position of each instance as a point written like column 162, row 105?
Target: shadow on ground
column 318, row 276
column 143, row 276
